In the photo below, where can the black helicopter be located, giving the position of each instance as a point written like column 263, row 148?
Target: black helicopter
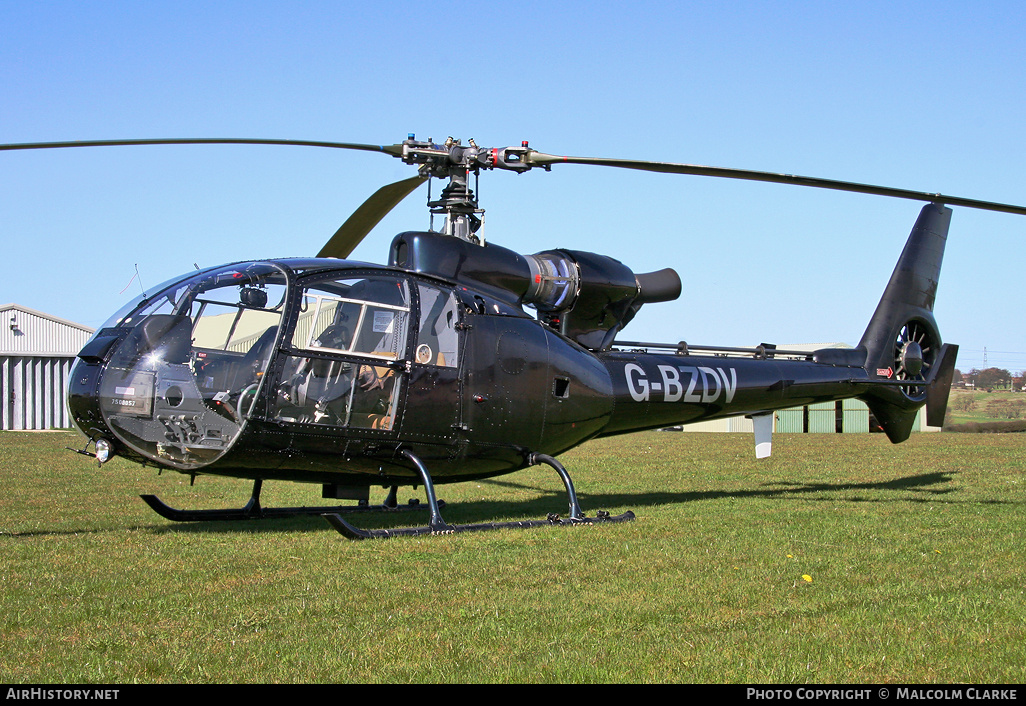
column 428, row 370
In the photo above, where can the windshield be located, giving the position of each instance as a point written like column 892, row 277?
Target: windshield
column 119, row 317
column 183, row 380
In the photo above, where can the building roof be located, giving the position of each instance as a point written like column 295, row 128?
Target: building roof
column 27, row 332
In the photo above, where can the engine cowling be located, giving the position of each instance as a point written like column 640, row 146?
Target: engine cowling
column 585, row 296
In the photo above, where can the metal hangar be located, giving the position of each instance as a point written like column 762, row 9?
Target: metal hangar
column 36, row 354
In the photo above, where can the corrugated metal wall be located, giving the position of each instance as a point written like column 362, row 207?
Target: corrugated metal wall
column 790, row 421
column 36, row 354
column 32, row 390
column 740, row 424
column 26, row 332
column 822, row 418
column 856, row 417
column 818, row 418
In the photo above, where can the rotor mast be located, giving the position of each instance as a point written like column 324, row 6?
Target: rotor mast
column 458, row 203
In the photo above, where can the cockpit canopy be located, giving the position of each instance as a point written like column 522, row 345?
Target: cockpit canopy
column 186, row 367
column 190, row 362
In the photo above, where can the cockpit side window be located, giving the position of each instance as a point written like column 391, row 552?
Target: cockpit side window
column 366, row 317
column 349, row 334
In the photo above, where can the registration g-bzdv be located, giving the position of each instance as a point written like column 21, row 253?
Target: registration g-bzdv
column 682, row 382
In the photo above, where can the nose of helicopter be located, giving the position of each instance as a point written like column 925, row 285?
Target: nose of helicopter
column 151, row 404
column 174, row 379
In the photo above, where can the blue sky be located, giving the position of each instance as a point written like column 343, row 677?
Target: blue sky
column 925, row 96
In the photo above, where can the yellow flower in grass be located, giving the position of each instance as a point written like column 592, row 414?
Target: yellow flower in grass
column 806, row 578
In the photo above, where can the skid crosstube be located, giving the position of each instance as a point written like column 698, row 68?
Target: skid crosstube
column 347, row 530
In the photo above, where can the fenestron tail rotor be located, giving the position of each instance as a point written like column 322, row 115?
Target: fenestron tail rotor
column 915, row 353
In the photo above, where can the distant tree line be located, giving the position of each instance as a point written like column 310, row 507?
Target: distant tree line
column 989, row 378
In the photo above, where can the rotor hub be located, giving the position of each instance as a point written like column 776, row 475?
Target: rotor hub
column 912, row 358
column 455, row 161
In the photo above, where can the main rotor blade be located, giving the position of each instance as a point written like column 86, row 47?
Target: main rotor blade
column 539, row 159
column 368, row 215
column 394, row 150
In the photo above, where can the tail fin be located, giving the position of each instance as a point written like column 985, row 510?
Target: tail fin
column 902, row 341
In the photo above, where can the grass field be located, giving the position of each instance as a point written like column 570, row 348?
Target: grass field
column 981, row 406
column 840, row 559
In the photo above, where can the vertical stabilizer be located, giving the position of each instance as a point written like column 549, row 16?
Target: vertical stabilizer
column 902, row 341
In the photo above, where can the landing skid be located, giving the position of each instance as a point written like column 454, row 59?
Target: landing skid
column 253, row 510
column 438, row 526
column 347, row 530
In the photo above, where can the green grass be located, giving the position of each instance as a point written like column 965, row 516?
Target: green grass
column 967, row 406
column 915, row 554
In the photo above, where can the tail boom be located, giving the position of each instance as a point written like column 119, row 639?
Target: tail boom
column 899, row 366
